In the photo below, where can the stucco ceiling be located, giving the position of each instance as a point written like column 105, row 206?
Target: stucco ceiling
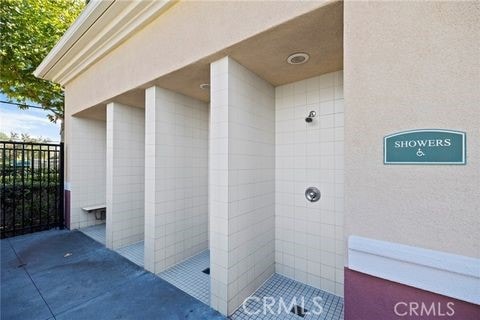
column 319, row 33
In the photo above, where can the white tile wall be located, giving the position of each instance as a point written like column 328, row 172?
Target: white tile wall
column 242, row 182
column 176, row 178
column 309, row 236
column 125, row 175
column 86, row 168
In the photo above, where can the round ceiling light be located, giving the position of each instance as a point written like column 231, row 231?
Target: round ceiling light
column 298, row 58
column 205, row 86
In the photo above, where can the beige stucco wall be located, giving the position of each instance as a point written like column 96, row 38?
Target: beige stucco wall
column 412, row 65
column 407, row 65
column 185, row 33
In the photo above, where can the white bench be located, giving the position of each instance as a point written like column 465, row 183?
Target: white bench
column 99, row 208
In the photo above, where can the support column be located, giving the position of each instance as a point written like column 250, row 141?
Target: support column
column 125, row 175
column 242, row 183
column 176, row 178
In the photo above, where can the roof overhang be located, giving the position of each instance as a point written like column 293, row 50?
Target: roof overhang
column 101, row 27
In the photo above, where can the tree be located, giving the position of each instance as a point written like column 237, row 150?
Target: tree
column 23, row 137
column 28, row 31
column 4, row 136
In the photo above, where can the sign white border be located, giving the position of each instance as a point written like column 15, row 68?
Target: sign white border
column 464, row 145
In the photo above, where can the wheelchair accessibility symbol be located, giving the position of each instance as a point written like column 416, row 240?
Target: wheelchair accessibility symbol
column 420, row 153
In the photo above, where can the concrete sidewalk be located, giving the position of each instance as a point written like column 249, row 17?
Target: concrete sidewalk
column 66, row 275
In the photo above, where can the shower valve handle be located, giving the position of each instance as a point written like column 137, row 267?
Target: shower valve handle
column 312, row 194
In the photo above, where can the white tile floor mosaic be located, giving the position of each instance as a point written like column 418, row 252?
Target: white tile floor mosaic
column 96, row 232
column 281, row 288
column 188, row 276
column 134, row 252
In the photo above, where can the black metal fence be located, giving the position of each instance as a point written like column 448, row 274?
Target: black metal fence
column 31, row 187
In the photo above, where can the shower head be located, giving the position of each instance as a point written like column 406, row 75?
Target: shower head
column 310, row 117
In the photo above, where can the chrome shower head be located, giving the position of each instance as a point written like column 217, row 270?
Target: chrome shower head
column 310, row 117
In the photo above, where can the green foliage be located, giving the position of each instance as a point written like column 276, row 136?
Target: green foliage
column 31, row 206
column 28, row 31
column 24, row 137
column 31, row 189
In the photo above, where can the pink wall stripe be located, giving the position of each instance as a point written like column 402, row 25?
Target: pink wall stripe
column 368, row 298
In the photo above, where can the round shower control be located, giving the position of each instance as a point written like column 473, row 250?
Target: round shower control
column 312, row 194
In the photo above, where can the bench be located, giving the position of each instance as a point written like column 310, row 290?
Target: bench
column 97, row 209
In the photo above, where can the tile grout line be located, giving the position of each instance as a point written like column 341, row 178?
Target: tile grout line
column 97, row 233
column 180, row 276
column 279, row 286
column 31, row 279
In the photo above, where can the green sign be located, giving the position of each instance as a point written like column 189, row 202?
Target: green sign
column 425, row 146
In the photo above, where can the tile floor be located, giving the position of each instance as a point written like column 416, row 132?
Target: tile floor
column 96, row 232
column 134, row 252
column 188, row 276
column 39, row 281
column 291, row 291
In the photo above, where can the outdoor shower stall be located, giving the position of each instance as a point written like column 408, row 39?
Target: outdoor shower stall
column 211, row 196
column 214, row 136
column 85, row 170
column 211, row 168
column 125, row 170
column 256, row 149
column 176, row 178
column 107, row 173
column 268, row 145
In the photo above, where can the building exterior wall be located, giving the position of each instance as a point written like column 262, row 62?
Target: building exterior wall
column 406, row 66
column 413, row 65
column 158, row 49
column 309, row 236
column 242, row 183
column 176, row 178
column 421, row 71
column 86, row 166
column 125, row 175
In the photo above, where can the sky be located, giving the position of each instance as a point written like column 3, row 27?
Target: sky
column 32, row 121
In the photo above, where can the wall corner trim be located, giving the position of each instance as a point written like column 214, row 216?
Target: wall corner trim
column 439, row 272
column 101, row 27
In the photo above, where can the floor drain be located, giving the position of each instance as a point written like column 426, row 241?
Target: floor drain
column 206, row 271
column 299, row 311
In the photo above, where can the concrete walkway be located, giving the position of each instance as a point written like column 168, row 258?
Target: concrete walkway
column 66, row 275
